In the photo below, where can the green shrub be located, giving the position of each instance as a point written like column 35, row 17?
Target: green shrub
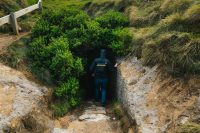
column 44, row 29
column 94, row 32
column 69, row 92
column 57, row 58
column 59, row 38
column 38, row 52
column 113, row 19
column 63, row 65
column 121, row 42
column 76, row 21
column 77, row 37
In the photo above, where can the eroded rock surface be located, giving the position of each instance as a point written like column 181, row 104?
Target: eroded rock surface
column 18, row 95
column 133, row 95
column 157, row 101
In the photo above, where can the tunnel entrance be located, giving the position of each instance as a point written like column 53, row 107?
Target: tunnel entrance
column 87, row 81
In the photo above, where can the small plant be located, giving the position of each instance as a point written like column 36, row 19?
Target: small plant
column 117, row 108
column 60, row 109
column 112, row 20
column 69, row 92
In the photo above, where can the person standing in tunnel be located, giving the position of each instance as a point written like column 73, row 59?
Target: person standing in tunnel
column 100, row 69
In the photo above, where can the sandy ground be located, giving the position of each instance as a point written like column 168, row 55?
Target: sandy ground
column 7, row 94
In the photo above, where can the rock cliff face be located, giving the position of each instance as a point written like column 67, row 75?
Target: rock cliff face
column 156, row 101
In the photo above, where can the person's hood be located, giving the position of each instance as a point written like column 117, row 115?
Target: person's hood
column 103, row 53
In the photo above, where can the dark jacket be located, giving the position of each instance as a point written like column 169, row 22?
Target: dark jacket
column 101, row 66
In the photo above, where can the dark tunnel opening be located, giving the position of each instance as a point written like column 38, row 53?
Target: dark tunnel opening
column 87, row 81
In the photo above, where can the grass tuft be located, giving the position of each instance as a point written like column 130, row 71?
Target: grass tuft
column 188, row 128
column 170, row 6
column 192, row 15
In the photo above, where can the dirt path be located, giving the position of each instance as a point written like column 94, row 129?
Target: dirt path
column 6, row 39
column 92, row 119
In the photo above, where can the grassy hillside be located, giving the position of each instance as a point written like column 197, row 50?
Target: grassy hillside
column 26, row 23
column 167, row 32
column 58, row 4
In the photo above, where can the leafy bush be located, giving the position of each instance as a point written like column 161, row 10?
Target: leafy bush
column 121, row 42
column 64, row 65
column 77, row 21
column 69, row 91
column 113, row 19
column 58, row 39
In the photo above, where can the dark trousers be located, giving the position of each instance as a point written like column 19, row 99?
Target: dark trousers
column 101, row 86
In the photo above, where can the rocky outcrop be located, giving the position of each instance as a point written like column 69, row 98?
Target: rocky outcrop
column 18, row 97
column 157, row 102
column 134, row 81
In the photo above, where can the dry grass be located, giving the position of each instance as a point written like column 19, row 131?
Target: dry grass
column 170, row 6
column 192, row 15
column 188, row 128
column 171, row 19
column 167, row 33
column 176, row 51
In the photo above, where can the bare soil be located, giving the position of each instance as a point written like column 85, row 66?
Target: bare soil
column 7, row 39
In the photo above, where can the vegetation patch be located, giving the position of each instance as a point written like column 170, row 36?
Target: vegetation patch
column 26, row 22
column 98, row 7
column 126, row 123
column 60, row 4
column 16, row 54
column 58, row 41
column 188, row 128
column 166, row 32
